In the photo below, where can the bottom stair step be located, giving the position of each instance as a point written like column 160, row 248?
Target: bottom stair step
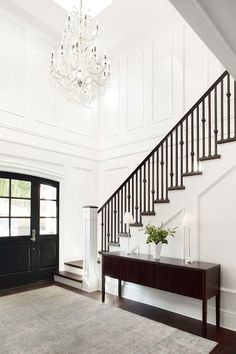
column 75, row 264
column 71, row 276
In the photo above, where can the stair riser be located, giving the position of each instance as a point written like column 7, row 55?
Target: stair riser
column 68, row 282
column 74, row 270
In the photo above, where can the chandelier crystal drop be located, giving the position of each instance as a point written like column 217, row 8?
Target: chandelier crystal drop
column 77, row 69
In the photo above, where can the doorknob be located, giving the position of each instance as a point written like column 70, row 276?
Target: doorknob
column 33, row 238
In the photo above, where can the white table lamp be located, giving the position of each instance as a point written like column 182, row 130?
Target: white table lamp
column 187, row 222
column 128, row 219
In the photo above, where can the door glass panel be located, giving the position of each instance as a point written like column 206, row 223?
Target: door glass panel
column 48, row 226
column 20, row 189
column 20, row 227
column 20, row 207
column 4, row 227
column 4, row 207
column 47, row 192
column 4, row 187
column 48, row 208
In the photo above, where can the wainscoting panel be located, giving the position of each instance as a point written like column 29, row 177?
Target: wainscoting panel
column 12, row 67
column 163, row 75
column 217, row 228
column 135, row 77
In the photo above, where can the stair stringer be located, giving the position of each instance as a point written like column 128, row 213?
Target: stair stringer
column 172, row 215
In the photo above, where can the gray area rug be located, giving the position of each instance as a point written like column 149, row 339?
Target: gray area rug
column 53, row 320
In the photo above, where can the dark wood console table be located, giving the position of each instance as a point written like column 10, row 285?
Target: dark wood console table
column 198, row 280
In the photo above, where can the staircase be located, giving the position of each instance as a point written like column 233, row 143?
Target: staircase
column 194, row 139
column 73, row 274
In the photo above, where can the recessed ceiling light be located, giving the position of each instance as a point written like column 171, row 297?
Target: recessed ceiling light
column 94, row 5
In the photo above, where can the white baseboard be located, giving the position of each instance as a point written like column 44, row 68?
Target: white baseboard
column 172, row 302
column 62, row 280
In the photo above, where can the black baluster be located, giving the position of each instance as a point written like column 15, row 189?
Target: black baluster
column 148, row 186
column 222, row 108
column 132, row 194
column 157, row 176
column 115, row 215
column 181, row 155
column 136, row 197
column 198, row 137
column 209, row 124
column 203, row 129
column 216, row 124
column 102, row 232
column 128, row 196
column 140, row 194
column 112, row 216
column 153, row 188
column 125, row 207
column 162, row 173
column 109, row 223
column 171, row 160
column 144, row 187
column 176, row 157
column 186, row 145
column 105, row 229
column 122, row 210
column 118, row 213
column 166, row 184
column 228, row 94
column 192, row 143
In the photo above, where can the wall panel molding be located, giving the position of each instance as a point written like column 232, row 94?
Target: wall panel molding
column 135, row 105
column 45, row 136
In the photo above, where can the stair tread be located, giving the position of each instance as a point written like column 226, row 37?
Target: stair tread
column 70, row 276
column 195, row 173
column 176, row 188
column 136, row 224
column 209, row 157
column 161, row 201
column 75, row 264
column 123, row 234
column 146, row 213
column 114, row 244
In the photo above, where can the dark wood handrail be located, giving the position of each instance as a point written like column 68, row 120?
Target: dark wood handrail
column 212, row 87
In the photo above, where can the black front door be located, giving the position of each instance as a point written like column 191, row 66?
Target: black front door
column 29, row 229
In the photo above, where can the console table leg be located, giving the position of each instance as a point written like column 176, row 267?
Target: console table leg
column 103, row 288
column 119, row 287
column 218, row 310
column 204, row 318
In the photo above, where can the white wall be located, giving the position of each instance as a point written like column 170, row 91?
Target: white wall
column 40, row 133
column 153, row 84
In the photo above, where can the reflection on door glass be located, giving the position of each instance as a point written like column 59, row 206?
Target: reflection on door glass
column 20, row 189
column 47, row 192
column 4, row 207
column 20, row 227
column 48, row 226
column 4, row 187
column 4, row 227
column 20, row 207
column 48, row 208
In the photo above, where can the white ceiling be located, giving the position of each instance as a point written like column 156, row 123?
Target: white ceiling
column 214, row 21
column 121, row 23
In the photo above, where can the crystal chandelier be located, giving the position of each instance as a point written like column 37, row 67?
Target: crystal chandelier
column 77, row 69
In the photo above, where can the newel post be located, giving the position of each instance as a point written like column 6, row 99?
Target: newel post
column 90, row 278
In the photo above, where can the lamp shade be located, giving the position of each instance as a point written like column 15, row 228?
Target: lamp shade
column 128, row 218
column 187, row 219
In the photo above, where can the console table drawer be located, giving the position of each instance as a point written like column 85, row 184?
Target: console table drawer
column 137, row 272
column 181, row 281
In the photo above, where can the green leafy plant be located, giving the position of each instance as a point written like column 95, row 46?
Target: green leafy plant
column 158, row 234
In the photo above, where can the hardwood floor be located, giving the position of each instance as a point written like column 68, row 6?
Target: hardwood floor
column 225, row 337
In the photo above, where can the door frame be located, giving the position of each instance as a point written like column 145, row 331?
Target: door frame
column 35, row 273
